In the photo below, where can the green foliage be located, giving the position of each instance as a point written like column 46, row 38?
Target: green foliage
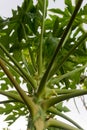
column 13, row 111
column 61, row 108
column 43, row 56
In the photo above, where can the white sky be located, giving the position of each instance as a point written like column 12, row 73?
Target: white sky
column 5, row 11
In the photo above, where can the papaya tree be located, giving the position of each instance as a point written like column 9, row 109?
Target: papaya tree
column 43, row 56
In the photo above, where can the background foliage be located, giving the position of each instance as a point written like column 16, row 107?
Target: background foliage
column 28, row 42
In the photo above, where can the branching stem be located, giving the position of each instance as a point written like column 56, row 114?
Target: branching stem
column 44, row 78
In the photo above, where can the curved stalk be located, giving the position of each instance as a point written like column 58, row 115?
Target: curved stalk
column 12, row 95
column 28, row 77
column 41, row 39
column 83, row 38
column 58, row 79
column 56, row 91
column 44, row 78
column 8, row 101
column 29, row 49
column 76, row 105
column 32, row 59
column 9, row 64
column 59, row 124
column 52, row 101
column 13, row 68
column 27, row 100
column 56, row 112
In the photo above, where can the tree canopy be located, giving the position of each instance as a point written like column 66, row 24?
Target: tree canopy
column 43, row 56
